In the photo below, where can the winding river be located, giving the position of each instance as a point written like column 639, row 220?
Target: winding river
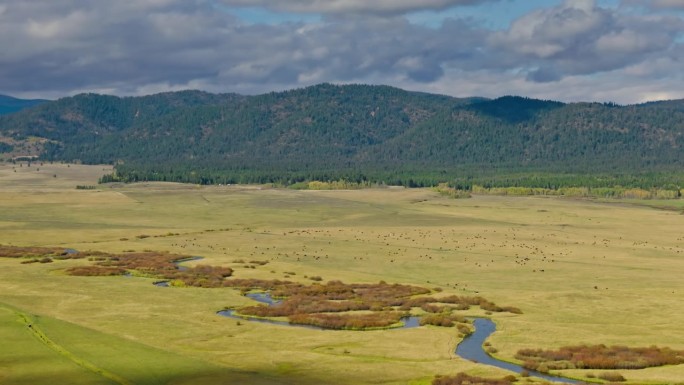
column 408, row 322
column 470, row 348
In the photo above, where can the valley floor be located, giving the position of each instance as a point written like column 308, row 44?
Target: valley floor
column 582, row 272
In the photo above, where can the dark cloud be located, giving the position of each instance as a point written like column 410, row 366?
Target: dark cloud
column 354, row 6
column 544, row 75
column 123, row 46
column 53, row 48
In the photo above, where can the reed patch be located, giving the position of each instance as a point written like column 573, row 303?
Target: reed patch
column 599, row 357
column 337, row 305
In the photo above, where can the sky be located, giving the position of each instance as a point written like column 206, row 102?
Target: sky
column 623, row 51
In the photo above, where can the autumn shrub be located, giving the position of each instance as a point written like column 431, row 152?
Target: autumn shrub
column 464, row 329
column 348, row 321
column 96, row 271
column 333, row 304
column 444, row 320
column 7, row 251
column 153, row 264
column 432, row 308
column 601, row 357
column 612, row 377
column 464, row 379
column 511, row 309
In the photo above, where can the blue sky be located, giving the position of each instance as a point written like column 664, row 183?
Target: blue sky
column 627, row 51
column 496, row 15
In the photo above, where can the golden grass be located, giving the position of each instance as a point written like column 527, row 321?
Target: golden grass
column 582, row 272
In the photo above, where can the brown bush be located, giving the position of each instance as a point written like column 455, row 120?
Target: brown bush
column 464, row 329
column 96, row 271
column 432, row 308
column 348, row 321
column 464, row 379
column 7, row 251
column 463, row 303
column 612, row 377
column 444, row 320
column 155, row 264
column 313, row 304
column 601, row 357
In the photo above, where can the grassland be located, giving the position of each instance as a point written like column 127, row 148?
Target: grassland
column 581, row 272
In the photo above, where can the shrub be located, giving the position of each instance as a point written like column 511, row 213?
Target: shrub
column 33, row 252
column 601, row 357
column 445, row 320
column 464, row 379
column 348, row 321
column 612, row 377
column 154, row 264
column 314, row 304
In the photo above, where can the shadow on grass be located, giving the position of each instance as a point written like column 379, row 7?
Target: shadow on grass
column 67, row 353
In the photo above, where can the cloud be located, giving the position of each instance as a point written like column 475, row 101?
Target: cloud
column 354, row 6
column 657, row 4
column 580, row 38
column 131, row 47
column 668, row 4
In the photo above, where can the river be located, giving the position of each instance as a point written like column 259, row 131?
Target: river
column 471, row 348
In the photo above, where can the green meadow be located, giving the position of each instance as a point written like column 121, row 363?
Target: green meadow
column 582, row 272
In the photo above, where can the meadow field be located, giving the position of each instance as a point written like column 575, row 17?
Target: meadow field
column 581, row 271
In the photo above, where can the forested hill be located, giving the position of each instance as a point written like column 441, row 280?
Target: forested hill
column 10, row 105
column 329, row 132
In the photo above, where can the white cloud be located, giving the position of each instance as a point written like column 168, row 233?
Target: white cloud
column 580, row 38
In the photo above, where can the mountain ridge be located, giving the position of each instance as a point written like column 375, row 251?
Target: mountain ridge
column 332, row 131
column 10, row 104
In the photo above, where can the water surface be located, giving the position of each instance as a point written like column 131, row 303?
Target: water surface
column 471, row 348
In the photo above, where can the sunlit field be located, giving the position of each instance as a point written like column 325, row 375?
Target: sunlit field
column 581, row 271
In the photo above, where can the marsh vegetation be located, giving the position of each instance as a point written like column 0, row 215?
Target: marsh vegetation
column 336, row 305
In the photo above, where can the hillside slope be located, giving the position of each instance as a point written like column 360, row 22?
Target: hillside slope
column 352, row 131
column 9, row 105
